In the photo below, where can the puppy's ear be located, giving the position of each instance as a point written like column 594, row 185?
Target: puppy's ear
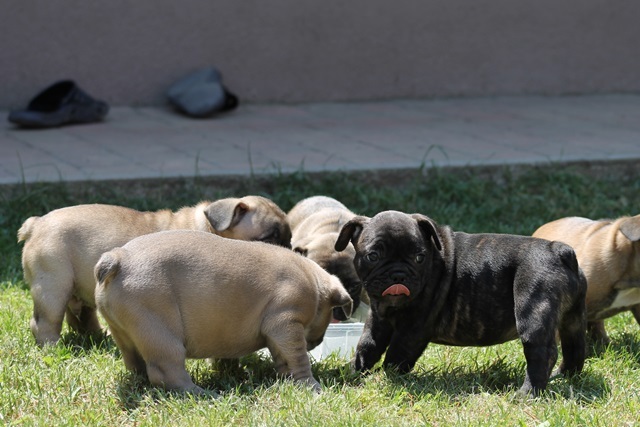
column 630, row 227
column 340, row 297
column 301, row 246
column 347, row 308
column 225, row 213
column 302, row 251
column 428, row 226
column 350, row 232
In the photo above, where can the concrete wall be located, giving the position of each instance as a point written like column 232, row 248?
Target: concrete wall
column 129, row 51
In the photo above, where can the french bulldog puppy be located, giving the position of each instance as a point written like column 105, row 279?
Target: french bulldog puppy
column 608, row 252
column 62, row 247
column 174, row 295
column 315, row 223
column 428, row 283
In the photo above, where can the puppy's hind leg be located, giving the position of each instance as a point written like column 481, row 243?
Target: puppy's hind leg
column 51, row 291
column 82, row 318
column 540, row 361
column 288, row 347
column 169, row 372
column 573, row 321
column 89, row 321
column 572, row 326
column 598, row 333
column 133, row 361
column 165, row 355
column 536, row 325
column 636, row 312
column 572, row 332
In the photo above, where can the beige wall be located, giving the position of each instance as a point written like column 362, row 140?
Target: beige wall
column 129, row 51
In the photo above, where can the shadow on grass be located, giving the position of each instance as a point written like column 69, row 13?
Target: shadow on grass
column 134, row 388
column 257, row 373
column 623, row 346
column 499, row 377
column 253, row 374
column 82, row 344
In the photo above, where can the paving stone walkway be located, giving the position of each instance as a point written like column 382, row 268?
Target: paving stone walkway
column 159, row 143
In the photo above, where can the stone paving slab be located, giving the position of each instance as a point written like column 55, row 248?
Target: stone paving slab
column 401, row 134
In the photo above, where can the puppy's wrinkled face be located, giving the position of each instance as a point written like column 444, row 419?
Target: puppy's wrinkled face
column 394, row 251
column 262, row 222
column 276, row 232
column 251, row 218
column 390, row 258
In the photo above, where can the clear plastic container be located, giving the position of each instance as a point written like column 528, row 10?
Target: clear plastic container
column 340, row 338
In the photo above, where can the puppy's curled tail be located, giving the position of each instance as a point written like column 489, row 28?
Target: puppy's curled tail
column 107, row 267
column 569, row 259
column 25, row 230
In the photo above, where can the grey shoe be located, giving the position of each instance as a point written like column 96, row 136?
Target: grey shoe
column 62, row 103
column 201, row 94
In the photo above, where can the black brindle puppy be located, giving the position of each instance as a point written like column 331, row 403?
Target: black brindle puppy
column 428, row 283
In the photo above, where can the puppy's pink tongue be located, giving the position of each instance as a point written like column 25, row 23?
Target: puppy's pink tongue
column 396, row 289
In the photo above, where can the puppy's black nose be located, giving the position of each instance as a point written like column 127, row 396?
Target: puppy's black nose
column 398, row 276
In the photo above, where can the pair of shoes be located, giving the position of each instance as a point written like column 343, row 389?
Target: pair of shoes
column 60, row 104
column 202, row 94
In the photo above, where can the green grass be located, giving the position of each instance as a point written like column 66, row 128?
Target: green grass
column 83, row 382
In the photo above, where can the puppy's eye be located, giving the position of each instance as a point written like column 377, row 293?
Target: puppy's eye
column 372, row 257
column 272, row 237
column 420, row 258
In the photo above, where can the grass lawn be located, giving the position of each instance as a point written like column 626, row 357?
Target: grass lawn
column 83, row 382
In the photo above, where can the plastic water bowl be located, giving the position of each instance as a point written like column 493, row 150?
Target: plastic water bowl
column 340, row 338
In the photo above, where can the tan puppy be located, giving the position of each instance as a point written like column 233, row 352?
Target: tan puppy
column 608, row 252
column 62, row 247
column 315, row 225
column 185, row 294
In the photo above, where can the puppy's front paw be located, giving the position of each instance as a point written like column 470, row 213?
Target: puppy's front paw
column 360, row 364
column 209, row 394
column 314, row 385
column 356, row 364
column 401, row 368
column 527, row 391
column 352, row 367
